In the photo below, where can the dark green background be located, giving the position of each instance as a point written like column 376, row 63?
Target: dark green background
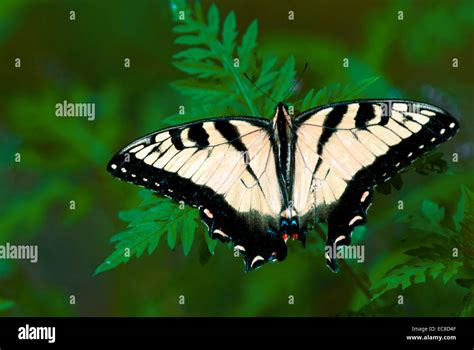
column 64, row 159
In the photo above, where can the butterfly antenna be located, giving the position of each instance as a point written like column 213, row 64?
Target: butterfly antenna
column 296, row 82
column 259, row 89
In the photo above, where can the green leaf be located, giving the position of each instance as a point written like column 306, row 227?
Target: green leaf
column 186, row 28
column 211, row 244
column 248, row 45
column 306, row 104
column 464, row 207
column 229, row 33
column 451, row 270
column 198, row 11
column 213, row 20
column 428, row 219
column 267, row 74
column 189, row 227
column 172, row 234
column 154, row 218
column 433, row 212
column 321, row 98
column 351, row 91
column 334, row 93
column 202, row 69
column 194, row 53
column 153, row 243
column 189, row 40
column 412, row 272
column 284, row 81
column 204, row 92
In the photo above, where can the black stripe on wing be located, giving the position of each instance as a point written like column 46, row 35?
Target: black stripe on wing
column 198, row 135
column 232, row 135
column 330, row 124
column 365, row 113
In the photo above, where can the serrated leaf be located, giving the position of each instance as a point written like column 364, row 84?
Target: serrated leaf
column 306, row 104
column 187, row 235
column 202, row 69
column 229, row 33
column 415, row 271
column 433, row 212
column 213, row 19
column 248, row 44
column 186, row 28
column 153, row 243
column 404, row 275
column 172, row 235
column 204, row 92
column 464, row 208
column 267, row 74
column 321, row 98
column 147, row 224
column 451, row 270
column 211, row 244
column 198, row 11
column 194, row 53
column 284, row 80
column 189, row 40
column 351, row 91
column 460, row 208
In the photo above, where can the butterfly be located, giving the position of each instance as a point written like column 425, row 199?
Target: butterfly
column 258, row 182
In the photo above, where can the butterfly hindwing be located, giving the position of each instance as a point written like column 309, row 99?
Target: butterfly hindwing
column 226, row 168
column 345, row 149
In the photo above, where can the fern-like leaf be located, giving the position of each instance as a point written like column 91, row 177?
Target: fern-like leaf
column 153, row 219
column 448, row 254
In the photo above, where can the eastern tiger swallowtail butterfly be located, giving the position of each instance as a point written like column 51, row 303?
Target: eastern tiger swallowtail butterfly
column 258, row 182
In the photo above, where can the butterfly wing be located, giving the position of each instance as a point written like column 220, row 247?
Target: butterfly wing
column 226, row 168
column 345, row 149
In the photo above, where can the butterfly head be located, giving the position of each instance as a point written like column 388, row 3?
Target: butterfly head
column 282, row 117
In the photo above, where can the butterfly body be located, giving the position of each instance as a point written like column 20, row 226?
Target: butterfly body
column 258, row 182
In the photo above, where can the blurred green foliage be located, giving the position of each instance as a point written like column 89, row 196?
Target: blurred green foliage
column 408, row 252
